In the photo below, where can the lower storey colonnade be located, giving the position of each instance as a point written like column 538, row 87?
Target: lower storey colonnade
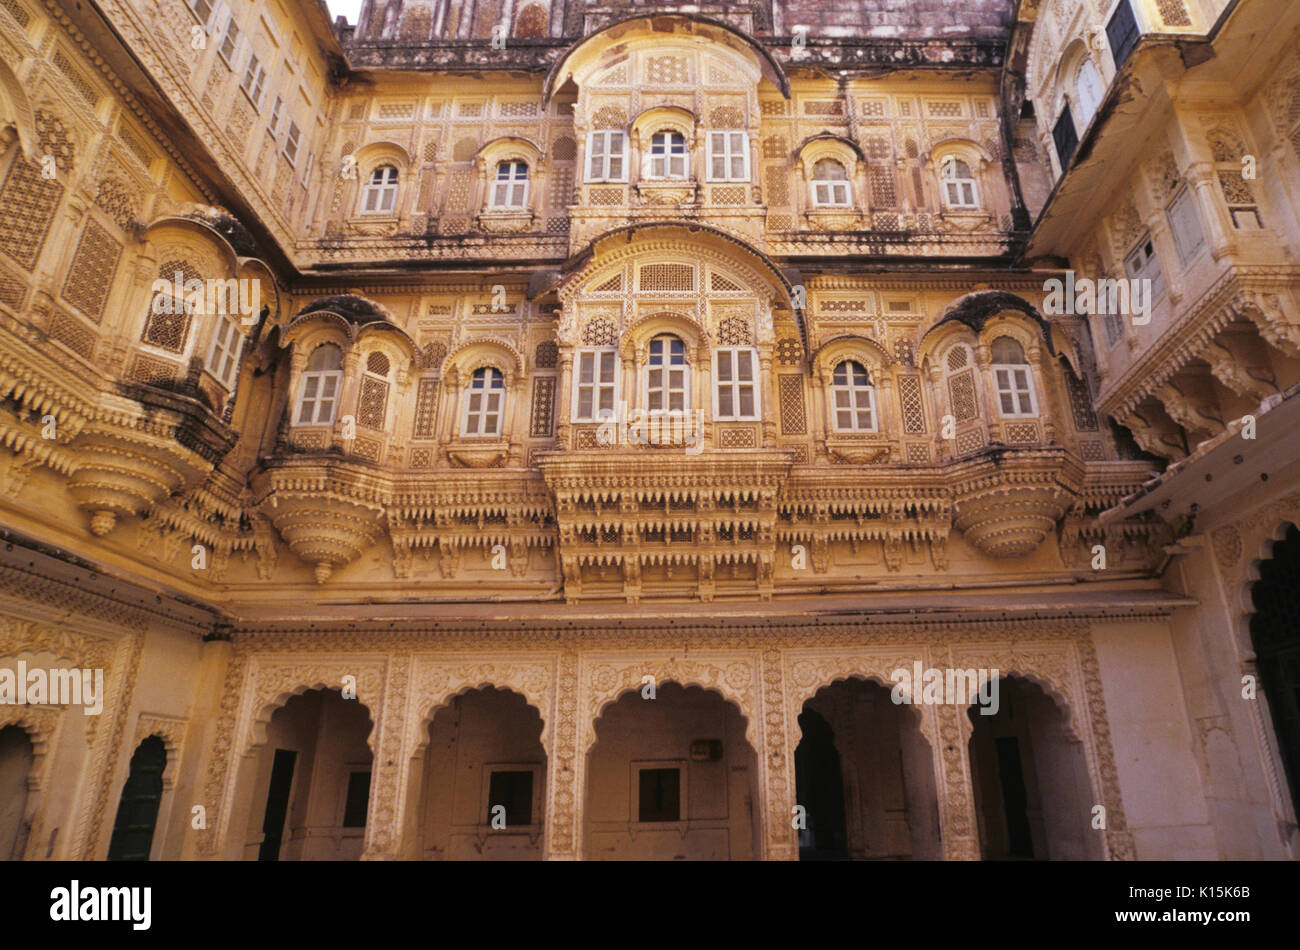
column 398, row 751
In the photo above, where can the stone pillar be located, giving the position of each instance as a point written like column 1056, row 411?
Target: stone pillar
column 820, row 424
column 204, row 735
column 958, row 829
column 986, row 392
column 562, row 836
column 942, row 408
column 390, row 772
column 767, row 386
column 349, row 391
column 779, row 840
column 516, row 418
column 1219, row 232
column 701, row 402
column 447, row 428
column 564, row 399
column 1049, row 408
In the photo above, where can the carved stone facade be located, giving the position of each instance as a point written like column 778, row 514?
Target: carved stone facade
column 596, row 426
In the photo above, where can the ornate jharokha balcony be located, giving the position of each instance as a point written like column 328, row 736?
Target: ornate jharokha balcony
column 634, row 522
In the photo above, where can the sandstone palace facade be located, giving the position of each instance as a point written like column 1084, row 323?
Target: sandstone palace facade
column 543, row 429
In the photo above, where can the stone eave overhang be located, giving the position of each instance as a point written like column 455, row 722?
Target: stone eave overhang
column 830, row 57
column 915, row 262
column 31, row 568
column 1219, row 471
column 828, row 613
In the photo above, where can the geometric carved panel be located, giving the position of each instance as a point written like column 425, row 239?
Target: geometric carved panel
column 93, row 267
column 962, row 390
column 543, row 414
column 27, row 204
column 1085, row 420
column 793, row 418
column 909, row 396
column 426, row 404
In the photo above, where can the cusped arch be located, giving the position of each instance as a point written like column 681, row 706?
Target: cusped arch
column 974, row 311
column 311, row 329
column 433, row 701
column 1016, row 326
column 395, row 342
column 267, row 702
column 508, row 148
column 935, row 344
column 638, row 333
column 829, row 145
column 383, row 152
column 254, row 268
column 959, row 147
column 1261, row 542
column 1058, row 693
column 851, row 347
column 485, row 351
column 665, row 118
column 41, row 726
column 605, row 700
column 798, row 696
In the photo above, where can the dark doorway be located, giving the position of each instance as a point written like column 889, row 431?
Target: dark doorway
column 819, row 786
column 1275, row 635
column 137, row 811
column 1015, row 800
column 277, row 804
column 16, row 759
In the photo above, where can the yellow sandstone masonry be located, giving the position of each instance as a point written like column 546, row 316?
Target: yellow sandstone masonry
column 542, row 430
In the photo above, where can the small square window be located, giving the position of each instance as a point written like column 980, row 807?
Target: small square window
column 514, row 790
column 659, row 795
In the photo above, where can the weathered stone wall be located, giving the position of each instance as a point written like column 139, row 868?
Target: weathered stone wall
column 904, row 19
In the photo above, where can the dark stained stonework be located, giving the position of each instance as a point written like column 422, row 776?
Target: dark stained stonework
column 808, row 33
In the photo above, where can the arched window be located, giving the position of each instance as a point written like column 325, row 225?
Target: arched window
column 1011, row 375
column 381, row 191
column 830, row 184
column 320, row 386
column 667, row 384
column 510, row 189
column 1088, row 91
column 667, row 155
column 853, row 398
column 484, row 402
column 959, row 187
